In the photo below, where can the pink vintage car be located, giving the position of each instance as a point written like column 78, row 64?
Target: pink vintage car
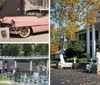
column 33, row 21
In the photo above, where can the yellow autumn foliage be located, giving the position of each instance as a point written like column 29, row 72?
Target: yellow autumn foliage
column 53, row 47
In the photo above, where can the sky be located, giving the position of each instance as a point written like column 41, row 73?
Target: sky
column 52, row 22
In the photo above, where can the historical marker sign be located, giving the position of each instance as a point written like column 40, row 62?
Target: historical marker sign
column 4, row 34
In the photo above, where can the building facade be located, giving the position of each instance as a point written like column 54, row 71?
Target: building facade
column 18, row 7
column 91, row 37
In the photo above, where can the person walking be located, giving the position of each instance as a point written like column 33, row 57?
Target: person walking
column 98, row 60
column 12, row 68
column 6, row 68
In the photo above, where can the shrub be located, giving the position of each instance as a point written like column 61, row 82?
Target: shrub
column 52, row 61
column 76, row 46
column 82, row 60
column 87, row 55
column 71, row 59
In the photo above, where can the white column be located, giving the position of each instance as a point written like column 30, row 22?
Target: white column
column 15, row 63
column 43, row 3
column 93, row 42
column 88, row 41
column 46, row 3
column 31, row 65
column 48, row 64
column 1, row 64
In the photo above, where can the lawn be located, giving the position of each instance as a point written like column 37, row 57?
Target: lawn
column 3, row 79
column 7, row 84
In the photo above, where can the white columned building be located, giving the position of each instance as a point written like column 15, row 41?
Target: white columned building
column 91, row 37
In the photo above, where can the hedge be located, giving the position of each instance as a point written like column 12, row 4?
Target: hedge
column 80, row 60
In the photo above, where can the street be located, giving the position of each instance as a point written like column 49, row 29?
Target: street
column 73, row 77
column 37, row 37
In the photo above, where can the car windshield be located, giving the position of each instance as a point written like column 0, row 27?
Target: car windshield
column 37, row 13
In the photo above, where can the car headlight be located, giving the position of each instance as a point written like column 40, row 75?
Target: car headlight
column 1, row 20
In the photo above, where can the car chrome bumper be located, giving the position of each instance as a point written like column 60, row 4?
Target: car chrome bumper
column 14, row 32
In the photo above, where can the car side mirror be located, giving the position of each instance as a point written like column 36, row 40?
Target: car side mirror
column 39, row 16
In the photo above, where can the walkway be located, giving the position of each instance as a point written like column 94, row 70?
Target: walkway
column 73, row 77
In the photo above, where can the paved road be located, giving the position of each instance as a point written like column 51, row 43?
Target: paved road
column 73, row 77
column 38, row 37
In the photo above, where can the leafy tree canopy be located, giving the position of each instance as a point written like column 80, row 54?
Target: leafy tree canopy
column 80, row 12
column 27, row 49
column 70, row 15
column 41, row 49
column 76, row 45
column 53, row 47
column 23, row 49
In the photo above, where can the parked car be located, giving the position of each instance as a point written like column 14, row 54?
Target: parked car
column 33, row 21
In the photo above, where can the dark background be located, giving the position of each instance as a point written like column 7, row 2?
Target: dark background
column 10, row 8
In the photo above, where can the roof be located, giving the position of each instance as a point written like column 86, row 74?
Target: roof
column 81, row 30
column 97, row 25
column 23, row 57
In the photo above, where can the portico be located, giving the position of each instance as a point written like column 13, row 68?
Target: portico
column 30, row 58
column 93, row 41
column 91, row 37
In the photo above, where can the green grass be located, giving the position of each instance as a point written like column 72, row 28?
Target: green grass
column 7, row 84
column 4, row 84
column 3, row 79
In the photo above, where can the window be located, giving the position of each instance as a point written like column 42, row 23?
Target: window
column 90, row 35
column 84, row 36
column 33, row 12
column 97, row 34
column 80, row 36
column 37, row 12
